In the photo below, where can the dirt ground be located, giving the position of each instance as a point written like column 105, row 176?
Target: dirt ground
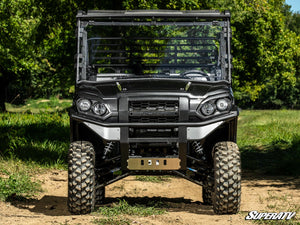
column 260, row 193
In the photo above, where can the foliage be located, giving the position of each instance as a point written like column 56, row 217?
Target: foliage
column 266, row 55
column 169, row 4
column 292, row 19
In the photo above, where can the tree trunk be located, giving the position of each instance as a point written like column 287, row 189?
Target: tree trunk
column 2, row 94
column 3, row 87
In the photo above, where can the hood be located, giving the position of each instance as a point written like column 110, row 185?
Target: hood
column 112, row 88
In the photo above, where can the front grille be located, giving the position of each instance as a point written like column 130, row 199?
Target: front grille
column 153, row 111
column 153, row 105
column 137, row 132
column 153, row 119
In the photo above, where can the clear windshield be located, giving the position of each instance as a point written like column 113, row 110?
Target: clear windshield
column 169, row 51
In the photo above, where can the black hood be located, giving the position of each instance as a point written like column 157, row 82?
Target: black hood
column 112, row 88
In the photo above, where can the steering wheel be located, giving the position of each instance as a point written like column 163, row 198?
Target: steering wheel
column 192, row 73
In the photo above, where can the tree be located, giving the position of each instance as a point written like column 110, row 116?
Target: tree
column 18, row 22
column 265, row 54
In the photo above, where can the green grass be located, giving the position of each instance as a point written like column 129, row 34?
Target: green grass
column 15, row 180
column 264, row 128
column 39, row 138
column 40, row 105
column 122, row 209
column 269, row 141
column 112, row 221
column 31, row 143
column 16, row 186
column 153, row 179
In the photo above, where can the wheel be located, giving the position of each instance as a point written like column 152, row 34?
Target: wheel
column 207, row 195
column 207, row 190
column 227, row 178
column 81, row 179
column 100, row 194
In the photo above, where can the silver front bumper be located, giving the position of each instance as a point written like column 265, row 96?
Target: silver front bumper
column 192, row 133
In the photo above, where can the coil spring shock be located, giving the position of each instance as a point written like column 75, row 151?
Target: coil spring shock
column 198, row 149
column 108, row 149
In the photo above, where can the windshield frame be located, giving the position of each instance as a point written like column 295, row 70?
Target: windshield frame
column 149, row 20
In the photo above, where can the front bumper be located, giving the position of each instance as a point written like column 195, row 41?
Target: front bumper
column 192, row 131
column 186, row 132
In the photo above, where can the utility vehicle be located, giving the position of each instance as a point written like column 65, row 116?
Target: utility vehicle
column 153, row 97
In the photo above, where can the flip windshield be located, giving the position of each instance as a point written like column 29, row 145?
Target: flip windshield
column 189, row 50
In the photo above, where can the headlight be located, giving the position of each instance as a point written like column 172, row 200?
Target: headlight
column 84, row 104
column 223, row 104
column 208, row 109
column 99, row 109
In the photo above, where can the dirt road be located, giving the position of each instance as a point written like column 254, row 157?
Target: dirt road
column 268, row 194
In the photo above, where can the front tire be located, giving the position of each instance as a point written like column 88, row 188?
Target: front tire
column 81, row 177
column 227, row 176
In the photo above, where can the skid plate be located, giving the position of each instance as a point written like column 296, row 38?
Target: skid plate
column 153, row 164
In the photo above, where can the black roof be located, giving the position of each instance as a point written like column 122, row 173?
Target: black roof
column 92, row 14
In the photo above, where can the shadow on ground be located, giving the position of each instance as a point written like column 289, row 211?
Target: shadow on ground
column 57, row 205
column 277, row 158
column 47, row 205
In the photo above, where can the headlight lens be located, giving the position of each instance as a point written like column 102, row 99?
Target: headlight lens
column 223, row 104
column 208, row 108
column 99, row 109
column 84, row 104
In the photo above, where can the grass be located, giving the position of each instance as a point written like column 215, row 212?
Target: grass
column 264, row 128
column 30, row 143
column 112, row 221
column 153, row 179
column 270, row 141
column 53, row 104
column 17, row 186
column 123, row 208
column 116, row 213
column 15, row 180
column 42, row 139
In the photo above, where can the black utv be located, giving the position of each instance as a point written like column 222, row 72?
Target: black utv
column 153, row 97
